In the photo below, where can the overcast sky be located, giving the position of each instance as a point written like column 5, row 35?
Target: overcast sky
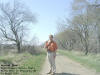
column 48, row 12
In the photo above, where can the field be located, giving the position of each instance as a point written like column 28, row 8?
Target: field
column 24, row 61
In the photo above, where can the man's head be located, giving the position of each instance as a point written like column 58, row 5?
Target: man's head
column 51, row 37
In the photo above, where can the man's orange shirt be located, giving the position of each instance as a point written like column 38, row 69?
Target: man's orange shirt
column 52, row 46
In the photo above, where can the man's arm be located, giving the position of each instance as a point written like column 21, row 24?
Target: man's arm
column 56, row 47
column 47, row 44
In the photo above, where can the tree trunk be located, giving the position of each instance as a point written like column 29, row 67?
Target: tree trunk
column 86, row 51
column 18, row 47
column 86, row 48
column 98, row 33
column 99, row 44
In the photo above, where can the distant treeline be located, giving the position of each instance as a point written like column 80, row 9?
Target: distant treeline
column 81, row 31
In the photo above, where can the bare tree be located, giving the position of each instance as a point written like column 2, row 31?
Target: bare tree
column 85, row 23
column 80, row 26
column 96, row 22
column 14, row 20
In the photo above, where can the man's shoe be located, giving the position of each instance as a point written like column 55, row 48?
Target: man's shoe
column 49, row 72
column 53, row 73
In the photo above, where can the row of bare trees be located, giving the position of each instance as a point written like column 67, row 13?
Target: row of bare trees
column 83, row 28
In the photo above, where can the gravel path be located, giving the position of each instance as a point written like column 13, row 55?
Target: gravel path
column 66, row 66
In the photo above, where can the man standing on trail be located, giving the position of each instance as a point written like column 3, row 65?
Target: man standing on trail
column 51, row 47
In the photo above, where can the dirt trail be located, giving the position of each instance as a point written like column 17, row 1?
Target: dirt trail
column 65, row 66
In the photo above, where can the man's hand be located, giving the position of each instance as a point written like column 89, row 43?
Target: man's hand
column 49, row 41
column 47, row 44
